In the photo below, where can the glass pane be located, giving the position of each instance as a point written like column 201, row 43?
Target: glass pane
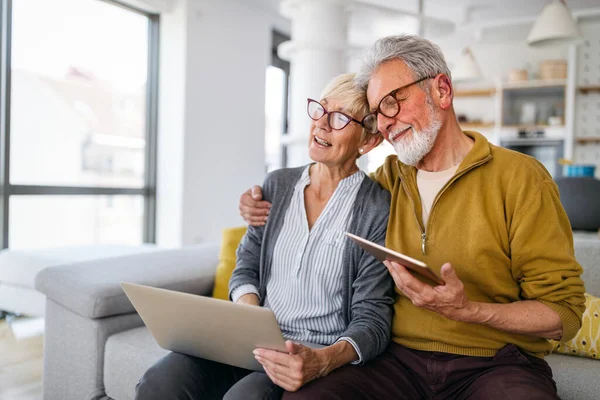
column 274, row 116
column 51, row 221
column 78, row 115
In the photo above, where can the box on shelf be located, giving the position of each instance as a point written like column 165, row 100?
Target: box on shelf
column 518, row 75
column 553, row 69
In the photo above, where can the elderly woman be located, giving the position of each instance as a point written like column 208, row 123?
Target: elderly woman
column 322, row 289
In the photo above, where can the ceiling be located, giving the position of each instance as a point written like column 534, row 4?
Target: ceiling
column 456, row 21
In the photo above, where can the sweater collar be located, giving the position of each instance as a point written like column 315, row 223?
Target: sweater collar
column 479, row 154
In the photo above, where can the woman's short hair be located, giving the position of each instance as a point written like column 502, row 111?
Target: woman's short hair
column 344, row 87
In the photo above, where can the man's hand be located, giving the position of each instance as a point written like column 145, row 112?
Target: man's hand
column 448, row 300
column 529, row 317
column 250, row 299
column 296, row 368
column 252, row 209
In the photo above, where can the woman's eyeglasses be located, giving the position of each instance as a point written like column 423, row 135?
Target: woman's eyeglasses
column 337, row 120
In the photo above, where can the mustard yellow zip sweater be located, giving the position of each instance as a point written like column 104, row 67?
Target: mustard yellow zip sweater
column 500, row 223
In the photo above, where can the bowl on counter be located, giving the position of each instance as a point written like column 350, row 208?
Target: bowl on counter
column 587, row 170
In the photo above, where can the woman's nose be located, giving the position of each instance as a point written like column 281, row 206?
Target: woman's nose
column 323, row 122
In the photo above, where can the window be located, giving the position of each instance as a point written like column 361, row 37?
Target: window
column 78, row 123
column 276, row 107
column 377, row 156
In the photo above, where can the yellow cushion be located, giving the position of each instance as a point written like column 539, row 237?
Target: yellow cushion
column 229, row 244
column 587, row 341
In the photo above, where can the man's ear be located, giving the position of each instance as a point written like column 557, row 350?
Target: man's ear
column 371, row 142
column 442, row 91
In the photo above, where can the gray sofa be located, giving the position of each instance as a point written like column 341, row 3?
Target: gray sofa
column 96, row 347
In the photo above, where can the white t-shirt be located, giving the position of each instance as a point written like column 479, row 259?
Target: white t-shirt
column 429, row 184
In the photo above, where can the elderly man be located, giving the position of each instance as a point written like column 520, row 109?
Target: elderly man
column 487, row 219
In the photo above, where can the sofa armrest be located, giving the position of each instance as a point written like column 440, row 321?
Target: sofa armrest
column 93, row 288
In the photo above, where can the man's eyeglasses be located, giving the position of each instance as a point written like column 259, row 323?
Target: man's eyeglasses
column 389, row 106
column 337, row 120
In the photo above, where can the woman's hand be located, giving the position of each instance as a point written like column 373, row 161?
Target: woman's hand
column 250, row 299
column 301, row 364
column 294, row 369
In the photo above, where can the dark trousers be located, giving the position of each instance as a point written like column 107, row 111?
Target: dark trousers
column 181, row 377
column 402, row 373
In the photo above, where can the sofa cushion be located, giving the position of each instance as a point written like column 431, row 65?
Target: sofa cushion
column 20, row 300
column 93, row 289
column 227, row 258
column 19, row 267
column 587, row 341
column 587, row 253
column 576, row 377
column 126, row 357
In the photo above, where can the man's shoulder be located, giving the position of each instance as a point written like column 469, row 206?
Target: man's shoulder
column 515, row 165
column 388, row 173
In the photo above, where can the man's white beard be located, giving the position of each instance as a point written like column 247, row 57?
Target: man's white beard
column 412, row 148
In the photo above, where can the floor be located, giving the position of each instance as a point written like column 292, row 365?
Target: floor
column 21, row 352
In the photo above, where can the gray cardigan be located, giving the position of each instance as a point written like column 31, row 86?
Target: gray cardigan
column 368, row 295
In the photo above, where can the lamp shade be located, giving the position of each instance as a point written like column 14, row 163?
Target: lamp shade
column 466, row 68
column 555, row 26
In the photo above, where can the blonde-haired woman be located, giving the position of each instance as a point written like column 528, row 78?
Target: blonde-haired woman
column 324, row 291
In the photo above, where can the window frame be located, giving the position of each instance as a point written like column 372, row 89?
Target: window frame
column 276, row 61
column 148, row 191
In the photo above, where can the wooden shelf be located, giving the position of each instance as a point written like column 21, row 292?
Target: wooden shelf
column 482, row 125
column 475, row 92
column 584, row 140
column 589, row 88
column 535, row 84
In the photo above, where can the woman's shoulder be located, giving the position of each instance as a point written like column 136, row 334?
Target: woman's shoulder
column 281, row 179
column 374, row 194
column 284, row 174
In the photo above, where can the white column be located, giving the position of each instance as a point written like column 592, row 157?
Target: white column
column 317, row 53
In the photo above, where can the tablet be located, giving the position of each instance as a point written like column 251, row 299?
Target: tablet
column 383, row 253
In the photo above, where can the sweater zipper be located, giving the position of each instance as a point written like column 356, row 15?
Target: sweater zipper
column 450, row 182
column 424, row 232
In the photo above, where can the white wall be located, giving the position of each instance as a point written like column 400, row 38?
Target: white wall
column 214, row 54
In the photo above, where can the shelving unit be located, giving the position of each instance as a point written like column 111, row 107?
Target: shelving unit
column 585, row 124
column 541, row 99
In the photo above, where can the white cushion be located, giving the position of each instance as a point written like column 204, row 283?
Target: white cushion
column 20, row 267
column 21, row 300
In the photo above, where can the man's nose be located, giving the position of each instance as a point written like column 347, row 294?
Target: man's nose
column 384, row 124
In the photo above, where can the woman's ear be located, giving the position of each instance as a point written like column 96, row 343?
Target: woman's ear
column 370, row 143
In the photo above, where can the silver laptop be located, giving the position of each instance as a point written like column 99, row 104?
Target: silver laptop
column 213, row 329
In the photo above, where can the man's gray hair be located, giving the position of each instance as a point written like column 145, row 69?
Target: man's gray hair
column 424, row 58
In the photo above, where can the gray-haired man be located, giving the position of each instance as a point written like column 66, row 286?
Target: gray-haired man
column 488, row 220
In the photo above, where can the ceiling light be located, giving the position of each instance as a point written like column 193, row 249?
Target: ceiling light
column 554, row 26
column 466, row 68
